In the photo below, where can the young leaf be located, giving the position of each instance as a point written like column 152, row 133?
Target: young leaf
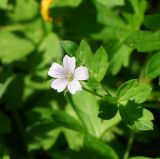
column 84, row 54
column 66, row 120
column 98, row 149
column 108, row 108
column 133, row 90
column 136, row 117
column 100, row 64
column 70, row 47
column 144, row 41
column 152, row 69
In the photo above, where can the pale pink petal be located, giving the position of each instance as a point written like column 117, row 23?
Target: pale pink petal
column 56, row 71
column 69, row 64
column 81, row 73
column 74, row 86
column 59, row 84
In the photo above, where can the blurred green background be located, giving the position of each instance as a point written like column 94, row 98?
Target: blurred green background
column 30, row 43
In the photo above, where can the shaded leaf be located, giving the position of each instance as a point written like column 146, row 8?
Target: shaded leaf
column 108, row 108
column 136, row 117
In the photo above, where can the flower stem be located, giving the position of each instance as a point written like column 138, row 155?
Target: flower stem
column 90, row 91
column 130, row 143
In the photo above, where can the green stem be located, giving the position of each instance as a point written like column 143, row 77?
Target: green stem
column 130, row 143
column 94, row 93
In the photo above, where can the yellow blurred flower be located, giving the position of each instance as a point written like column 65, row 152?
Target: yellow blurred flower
column 45, row 9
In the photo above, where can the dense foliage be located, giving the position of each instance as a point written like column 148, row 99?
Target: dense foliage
column 117, row 115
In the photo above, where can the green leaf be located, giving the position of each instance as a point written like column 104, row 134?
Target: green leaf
column 144, row 41
column 42, row 132
column 86, row 107
column 50, row 48
column 136, row 117
column 99, row 64
column 152, row 68
column 66, row 120
column 72, row 3
column 133, row 90
column 113, row 26
column 140, row 157
column 152, row 21
column 14, row 48
column 24, row 10
column 98, row 149
column 4, row 4
column 84, row 54
column 120, row 55
column 5, row 123
column 108, row 108
column 112, row 3
column 70, row 47
column 134, row 13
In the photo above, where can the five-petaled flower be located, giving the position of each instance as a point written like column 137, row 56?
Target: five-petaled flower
column 68, row 75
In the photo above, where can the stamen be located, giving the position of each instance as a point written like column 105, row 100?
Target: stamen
column 69, row 76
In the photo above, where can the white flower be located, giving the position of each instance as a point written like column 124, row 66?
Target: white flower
column 68, row 75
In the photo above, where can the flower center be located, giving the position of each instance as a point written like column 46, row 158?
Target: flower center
column 69, row 76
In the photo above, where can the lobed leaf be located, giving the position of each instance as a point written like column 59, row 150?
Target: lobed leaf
column 136, row 117
column 144, row 41
column 134, row 91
